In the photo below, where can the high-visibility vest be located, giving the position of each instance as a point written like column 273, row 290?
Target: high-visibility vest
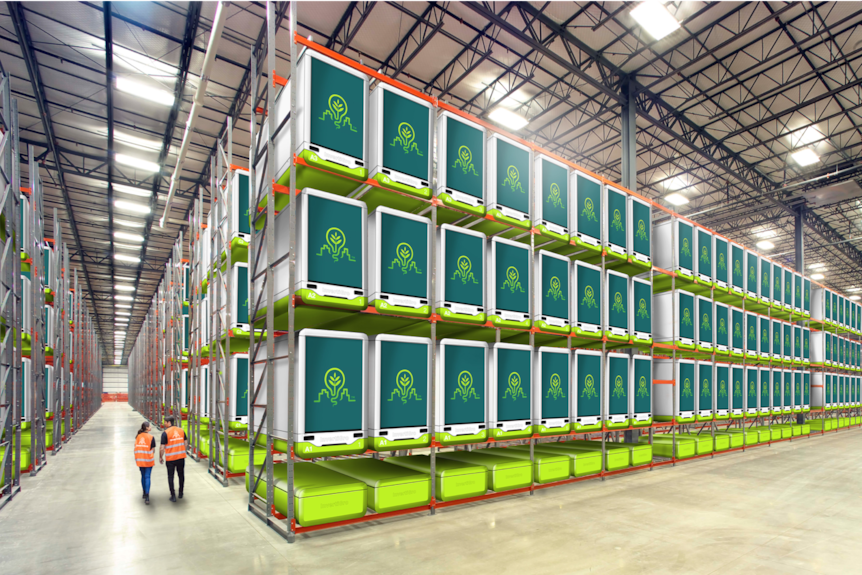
column 145, row 455
column 176, row 448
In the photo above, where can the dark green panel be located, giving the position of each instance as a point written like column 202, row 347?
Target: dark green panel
column 403, row 384
column 618, row 385
column 806, row 294
column 405, row 135
column 335, row 231
column 589, row 203
column 751, row 386
column 643, row 385
column 827, row 303
column 641, row 235
column 589, row 295
column 334, row 368
column 555, row 287
column 738, row 338
column 337, row 109
column 618, row 292
column 777, row 397
column 513, row 177
column 765, row 273
column 704, row 253
column 465, row 155
column 797, row 341
column 686, row 243
column 764, row 388
column 788, row 388
column 797, row 388
column 687, row 382
column 763, row 329
column 242, row 294
column 738, row 395
column 464, row 279
column 686, row 315
column 722, row 334
column 777, row 278
column 589, row 382
column 751, row 332
column 797, row 292
column 514, row 382
column 555, row 193
column 464, row 384
column 643, row 311
column 776, row 337
column 616, row 214
column 244, row 203
column 403, row 256
column 555, row 385
column 721, row 377
column 751, row 271
column 242, row 387
column 721, row 260
column 786, row 338
column 704, row 377
column 787, row 282
column 704, row 315
column 736, row 263
column 512, row 278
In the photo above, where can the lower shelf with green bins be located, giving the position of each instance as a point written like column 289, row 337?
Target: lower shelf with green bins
column 389, row 487
column 582, row 462
column 503, row 473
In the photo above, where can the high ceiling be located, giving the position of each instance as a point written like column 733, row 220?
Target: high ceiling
column 722, row 103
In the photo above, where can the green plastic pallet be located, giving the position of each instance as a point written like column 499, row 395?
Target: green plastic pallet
column 504, row 473
column 453, row 479
column 664, row 446
column 547, row 468
column 638, row 453
column 390, row 487
column 582, row 461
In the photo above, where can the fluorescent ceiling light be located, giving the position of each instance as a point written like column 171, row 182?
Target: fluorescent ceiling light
column 805, row 157
column 124, row 298
column 127, row 247
column 119, row 333
column 121, row 319
column 675, row 183
column 125, row 313
column 142, row 63
column 655, row 19
column 124, row 189
column 144, row 91
column 508, row 119
column 122, row 305
column 129, row 223
column 676, row 199
column 766, row 234
column 817, row 276
column 127, row 258
column 137, row 141
column 854, row 297
column 805, row 136
column 854, row 289
column 765, row 245
column 125, row 278
column 124, row 288
column 128, row 236
column 137, row 163
column 816, row 266
column 132, row 207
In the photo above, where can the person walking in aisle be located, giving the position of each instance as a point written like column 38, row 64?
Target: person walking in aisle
column 145, row 457
column 174, row 446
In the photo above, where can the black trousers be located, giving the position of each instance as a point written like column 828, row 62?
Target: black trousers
column 178, row 465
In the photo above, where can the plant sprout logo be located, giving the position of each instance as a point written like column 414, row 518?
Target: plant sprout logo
column 555, row 291
column 751, row 335
column 721, row 262
column 514, row 390
column 797, row 341
column 641, row 234
column 642, row 309
column 619, row 390
column 686, row 317
column 805, row 342
column 334, row 387
column 777, row 339
column 722, row 388
column 463, row 270
column 465, row 160
column 405, row 139
column 642, row 388
column 336, row 245
column 617, row 223
column 512, row 282
column 737, row 268
column 686, row 250
column 555, row 388
column 588, row 210
column 589, row 388
column 752, row 389
column 751, row 275
column 554, row 197
column 589, row 300
column 737, row 330
column 404, row 259
column 618, row 306
column 787, row 341
column 737, row 389
column 686, row 388
column 337, row 112
column 704, row 255
column 512, row 179
column 721, row 327
column 765, row 280
column 404, row 387
column 705, row 323
column 765, row 337
column 704, row 390
column 465, row 388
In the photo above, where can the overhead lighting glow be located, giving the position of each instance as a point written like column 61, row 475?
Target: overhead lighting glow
column 124, row 298
column 854, row 288
column 765, row 245
column 125, row 313
column 676, row 199
column 122, row 305
column 119, row 333
column 124, row 288
column 142, row 63
column 805, row 137
column 508, row 119
column 766, row 234
column 655, row 19
column 805, row 157
column 816, row 266
column 137, row 141
column 854, row 297
column 145, row 91
column 127, row 247
column 121, row 319
column 675, row 184
column 817, row 276
column 124, row 189
column 132, row 207
column 137, row 163
column 128, row 236
column 126, row 258
column 129, row 223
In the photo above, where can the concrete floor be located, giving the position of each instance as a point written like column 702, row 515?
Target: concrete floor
column 790, row 508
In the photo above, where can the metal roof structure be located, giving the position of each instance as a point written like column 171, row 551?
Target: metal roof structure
column 722, row 103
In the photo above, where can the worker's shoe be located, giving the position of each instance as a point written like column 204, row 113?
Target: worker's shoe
column 181, row 495
column 146, row 499
column 173, row 498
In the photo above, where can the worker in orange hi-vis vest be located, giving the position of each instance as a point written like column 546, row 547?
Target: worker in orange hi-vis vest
column 145, row 457
column 174, row 446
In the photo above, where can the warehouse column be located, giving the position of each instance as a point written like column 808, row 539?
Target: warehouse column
column 629, row 168
column 800, row 265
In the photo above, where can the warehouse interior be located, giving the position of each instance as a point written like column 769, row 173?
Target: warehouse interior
column 558, row 286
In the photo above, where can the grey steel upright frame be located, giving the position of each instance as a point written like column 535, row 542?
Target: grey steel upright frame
column 58, row 284
column 174, row 361
column 38, row 449
column 10, row 298
column 193, row 377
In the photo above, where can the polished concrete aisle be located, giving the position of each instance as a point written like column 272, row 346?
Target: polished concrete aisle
column 795, row 507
